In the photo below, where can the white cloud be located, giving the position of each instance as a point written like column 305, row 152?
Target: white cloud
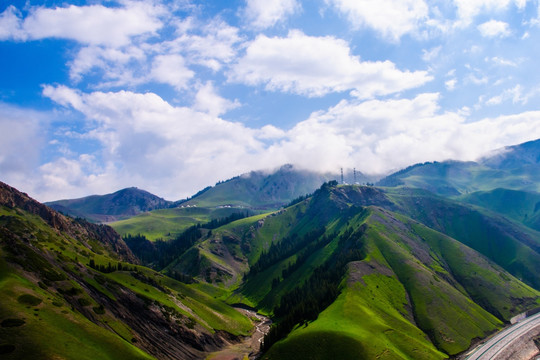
column 95, row 24
column 369, row 135
column 22, row 139
column 146, row 138
column 171, row 69
column 468, row 9
column 118, row 65
column 494, row 28
column 497, row 60
column 262, row 14
column 11, row 25
column 450, row 84
column 391, row 18
column 516, row 95
column 210, row 44
column 316, row 66
column 209, row 101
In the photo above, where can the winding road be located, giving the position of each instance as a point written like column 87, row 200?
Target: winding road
column 494, row 347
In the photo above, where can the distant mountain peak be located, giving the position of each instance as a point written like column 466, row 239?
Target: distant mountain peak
column 121, row 204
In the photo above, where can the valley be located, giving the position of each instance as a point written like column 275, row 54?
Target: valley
column 420, row 266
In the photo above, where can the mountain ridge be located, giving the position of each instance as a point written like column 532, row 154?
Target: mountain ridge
column 514, row 167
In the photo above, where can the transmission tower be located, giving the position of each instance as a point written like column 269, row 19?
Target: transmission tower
column 342, row 182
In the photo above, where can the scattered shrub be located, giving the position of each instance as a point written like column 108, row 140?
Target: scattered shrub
column 99, row 310
column 84, row 302
column 12, row 322
column 28, row 299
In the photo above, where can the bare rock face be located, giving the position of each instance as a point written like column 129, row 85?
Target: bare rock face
column 80, row 229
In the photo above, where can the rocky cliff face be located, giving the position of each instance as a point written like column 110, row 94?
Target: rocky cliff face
column 82, row 230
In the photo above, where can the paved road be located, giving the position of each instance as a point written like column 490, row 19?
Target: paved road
column 499, row 342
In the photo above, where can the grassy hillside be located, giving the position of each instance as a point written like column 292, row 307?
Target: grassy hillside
column 56, row 304
column 367, row 321
column 412, row 283
column 520, row 206
column 168, row 223
column 514, row 247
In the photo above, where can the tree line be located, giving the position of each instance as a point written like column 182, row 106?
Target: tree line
column 109, row 268
column 305, row 302
column 158, row 254
column 288, row 246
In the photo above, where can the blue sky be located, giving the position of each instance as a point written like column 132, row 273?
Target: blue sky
column 173, row 96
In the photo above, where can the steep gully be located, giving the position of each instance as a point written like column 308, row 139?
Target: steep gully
column 249, row 348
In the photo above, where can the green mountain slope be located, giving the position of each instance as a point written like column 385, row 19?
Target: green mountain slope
column 521, row 206
column 409, row 291
column 111, row 207
column 262, row 190
column 70, row 289
column 514, row 247
column 168, row 223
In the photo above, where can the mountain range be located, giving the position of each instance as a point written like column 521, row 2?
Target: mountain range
column 256, row 190
column 421, row 266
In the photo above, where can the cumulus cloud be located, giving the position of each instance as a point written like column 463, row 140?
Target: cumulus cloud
column 369, row 135
column 171, row 69
column 262, row 14
column 316, row 66
column 211, row 44
column 209, row 101
column 390, row 18
column 95, row 24
column 494, row 28
column 11, row 24
column 118, row 65
column 147, row 138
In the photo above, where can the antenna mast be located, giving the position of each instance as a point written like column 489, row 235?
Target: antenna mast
column 342, row 182
column 354, row 172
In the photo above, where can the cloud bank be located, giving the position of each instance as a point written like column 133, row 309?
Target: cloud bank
column 148, row 142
